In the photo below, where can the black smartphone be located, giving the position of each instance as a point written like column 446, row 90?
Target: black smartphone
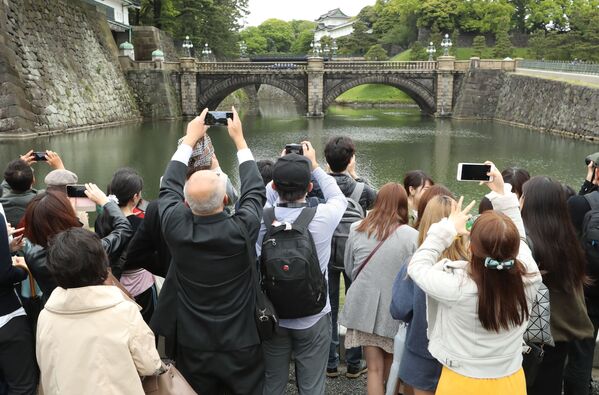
column 294, row 148
column 474, row 172
column 76, row 191
column 39, row 156
column 218, row 117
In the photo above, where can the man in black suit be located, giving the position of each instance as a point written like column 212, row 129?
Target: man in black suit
column 208, row 299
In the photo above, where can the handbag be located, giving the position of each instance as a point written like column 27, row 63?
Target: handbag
column 532, row 356
column 365, row 262
column 32, row 305
column 168, row 382
column 265, row 316
column 538, row 330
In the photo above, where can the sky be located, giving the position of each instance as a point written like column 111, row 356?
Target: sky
column 261, row 10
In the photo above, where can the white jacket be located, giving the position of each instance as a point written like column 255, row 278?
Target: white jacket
column 92, row 340
column 456, row 337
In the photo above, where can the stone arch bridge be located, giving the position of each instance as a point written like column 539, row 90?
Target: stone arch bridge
column 315, row 84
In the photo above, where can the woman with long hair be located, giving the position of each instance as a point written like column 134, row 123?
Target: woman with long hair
column 376, row 248
column 416, row 182
column 561, row 260
column 427, row 195
column 126, row 186
column 418, row 368
column 50, row 213
column 478, row 308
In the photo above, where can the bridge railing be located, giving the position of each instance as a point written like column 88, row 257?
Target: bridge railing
column 371, row 66
column 564, row 66
column 251, row 66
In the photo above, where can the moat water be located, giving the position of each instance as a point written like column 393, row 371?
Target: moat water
column 389, row 143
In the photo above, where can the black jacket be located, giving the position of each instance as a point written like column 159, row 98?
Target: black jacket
column 9, row 275
column 113, row 244
column 147, row 249
column 208, row 298
column 104, row 226
column 347, row 185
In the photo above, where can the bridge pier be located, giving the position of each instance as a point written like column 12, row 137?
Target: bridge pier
column 189, row 87
column 315, row 87
column 445, row 72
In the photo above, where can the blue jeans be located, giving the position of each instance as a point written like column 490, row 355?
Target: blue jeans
column 352, row 355
column 577, row 373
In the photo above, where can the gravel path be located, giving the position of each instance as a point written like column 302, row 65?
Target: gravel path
column 337, row 386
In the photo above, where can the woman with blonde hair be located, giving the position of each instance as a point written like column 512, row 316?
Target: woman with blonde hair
column 478, row 308
column 376, row 248
column 418, row 368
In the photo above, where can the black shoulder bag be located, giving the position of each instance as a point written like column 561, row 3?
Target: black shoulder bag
column 267, row 321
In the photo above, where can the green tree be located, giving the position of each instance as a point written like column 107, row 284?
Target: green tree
column 358, row 42
column 255, row 41
column 417, row 51
column 436, row 35
column 278, row 34
column 537, row 44
column 301, row 45
column 503, row 45
column 446, row 13
column 376, row 52
column 479, row 44
column 486, row 16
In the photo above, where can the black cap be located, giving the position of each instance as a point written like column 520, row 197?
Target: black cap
column 292, row 172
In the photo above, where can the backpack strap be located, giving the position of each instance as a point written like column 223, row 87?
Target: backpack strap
column 357, row 192
column 593, row 199
column 268, row 215
column 304, row 219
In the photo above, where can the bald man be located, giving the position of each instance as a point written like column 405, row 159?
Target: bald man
column 207, row 302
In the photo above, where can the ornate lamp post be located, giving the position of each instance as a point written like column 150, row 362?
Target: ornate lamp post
column 431, row 50
column 334, row 48
column 315, row 48
column 446, row 44
column 206, row 53
column 242, row 49
column 326, row 50
column 187, row 46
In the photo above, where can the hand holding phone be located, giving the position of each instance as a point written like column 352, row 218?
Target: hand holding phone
column 478, row 172
column 218, row 118
column 39, row 156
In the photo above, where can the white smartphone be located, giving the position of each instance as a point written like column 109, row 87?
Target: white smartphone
column 474, row 172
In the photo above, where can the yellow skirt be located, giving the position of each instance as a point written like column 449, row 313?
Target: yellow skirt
column 452, row 383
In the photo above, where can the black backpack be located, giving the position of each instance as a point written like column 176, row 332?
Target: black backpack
column 353, row 213
column 290, row 269
column 590, row 234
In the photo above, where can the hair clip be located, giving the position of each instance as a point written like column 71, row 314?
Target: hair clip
column 491, row 263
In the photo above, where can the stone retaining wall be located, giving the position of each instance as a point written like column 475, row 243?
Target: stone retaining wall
column 59, row 68
column 146, row 39
column 157, row 93
column 547, row 105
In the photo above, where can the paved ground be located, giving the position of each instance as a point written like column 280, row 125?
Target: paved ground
column 337, row 386
column 582, row 79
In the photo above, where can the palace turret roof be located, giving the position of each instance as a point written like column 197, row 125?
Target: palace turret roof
column 336, row 13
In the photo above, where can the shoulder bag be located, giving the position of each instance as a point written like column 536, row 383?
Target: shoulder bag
column 267, row 320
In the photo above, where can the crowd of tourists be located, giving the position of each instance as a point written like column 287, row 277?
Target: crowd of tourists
column 238, row 286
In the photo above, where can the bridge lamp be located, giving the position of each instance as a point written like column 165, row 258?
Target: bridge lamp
column 446, row 44
column 431, row 51
column 242, row 49
column 206, row 52
column 326, row 50
column 187, row 46
column 334, row 48
column 315, row 48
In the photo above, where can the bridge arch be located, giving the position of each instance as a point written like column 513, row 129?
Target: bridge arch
column 217, row 92
column 422, row 95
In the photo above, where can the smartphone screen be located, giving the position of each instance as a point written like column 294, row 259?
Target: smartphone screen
column 473, row 172
column 294, row 148
column 39, row 156
column 76, row 191
column 217, row 117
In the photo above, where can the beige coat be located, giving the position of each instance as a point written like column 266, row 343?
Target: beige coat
column 92, row 340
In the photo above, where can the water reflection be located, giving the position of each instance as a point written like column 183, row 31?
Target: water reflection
column 389, row 142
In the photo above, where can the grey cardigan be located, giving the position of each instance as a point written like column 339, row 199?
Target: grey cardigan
column 368, row 299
